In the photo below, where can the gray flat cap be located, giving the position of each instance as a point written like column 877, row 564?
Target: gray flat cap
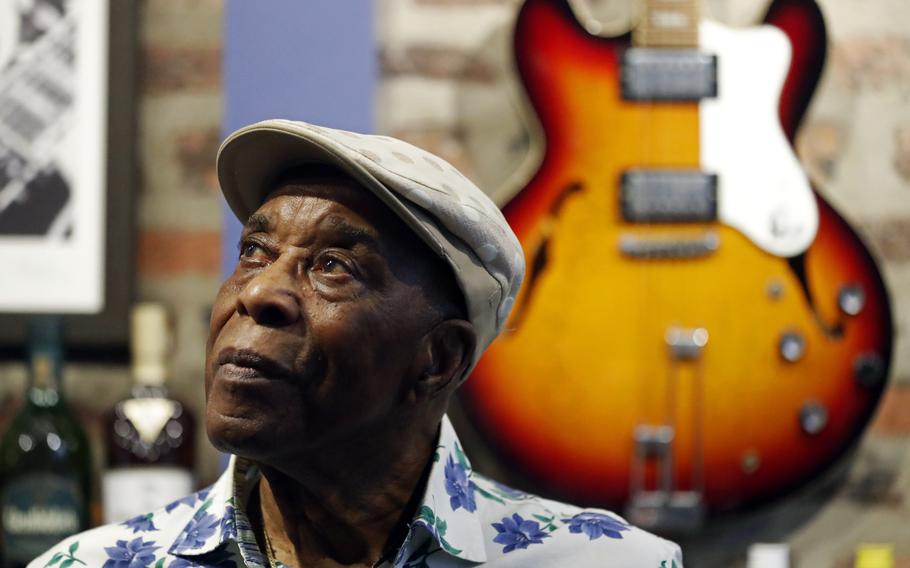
column 455, row 218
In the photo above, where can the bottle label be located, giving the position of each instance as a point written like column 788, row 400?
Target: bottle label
column 38, row 512
column 128, row 492
column 149, row 416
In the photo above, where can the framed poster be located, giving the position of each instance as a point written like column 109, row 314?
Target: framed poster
column 53, row 78
column 64, row 229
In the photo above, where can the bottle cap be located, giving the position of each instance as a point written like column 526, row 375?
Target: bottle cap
column 151, row 343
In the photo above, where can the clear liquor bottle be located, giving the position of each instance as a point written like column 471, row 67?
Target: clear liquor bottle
column 149, row 436
column 45, row 460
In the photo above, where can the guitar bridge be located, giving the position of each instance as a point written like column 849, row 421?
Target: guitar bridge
column 654, row 248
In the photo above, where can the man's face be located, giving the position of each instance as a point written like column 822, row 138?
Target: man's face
column 313, row 337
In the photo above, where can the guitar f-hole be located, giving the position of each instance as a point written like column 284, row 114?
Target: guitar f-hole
column 541, row 255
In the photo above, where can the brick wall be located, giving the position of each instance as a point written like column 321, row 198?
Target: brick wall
column 445, row 87
column 178, row 257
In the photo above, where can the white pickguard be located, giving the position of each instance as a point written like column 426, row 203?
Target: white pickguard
column 762, row 189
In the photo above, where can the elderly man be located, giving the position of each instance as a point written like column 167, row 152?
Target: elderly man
column 371, row 276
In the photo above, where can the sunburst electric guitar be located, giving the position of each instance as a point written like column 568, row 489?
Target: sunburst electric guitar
column 698, row 329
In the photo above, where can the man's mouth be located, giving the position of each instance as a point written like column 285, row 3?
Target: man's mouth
column 246, row 363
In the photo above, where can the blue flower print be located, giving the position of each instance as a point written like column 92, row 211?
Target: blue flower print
column 516, row 532
column 596, row 525
column 199, row 530
column 189, row 500
column 459, row 487
column 142, row 523
column 136, row 553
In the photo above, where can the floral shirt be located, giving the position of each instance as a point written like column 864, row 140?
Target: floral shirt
column 465, row 519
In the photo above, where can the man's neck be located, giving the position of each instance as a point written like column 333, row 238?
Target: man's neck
column 348, row 506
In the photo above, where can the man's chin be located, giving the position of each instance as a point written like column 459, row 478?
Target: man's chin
column 240, row 435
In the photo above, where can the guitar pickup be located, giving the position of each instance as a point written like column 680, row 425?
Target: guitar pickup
column 668, row 196
column 650, row 74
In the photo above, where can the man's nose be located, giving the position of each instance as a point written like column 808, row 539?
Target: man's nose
column 271, row 297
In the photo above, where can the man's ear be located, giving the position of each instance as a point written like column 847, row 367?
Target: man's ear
column 446, row 354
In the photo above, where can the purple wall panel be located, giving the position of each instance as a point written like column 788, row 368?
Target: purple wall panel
column 313, row 60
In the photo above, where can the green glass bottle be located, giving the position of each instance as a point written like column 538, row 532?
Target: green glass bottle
column 45, row 461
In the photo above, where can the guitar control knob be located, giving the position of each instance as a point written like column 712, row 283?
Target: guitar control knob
column 792, row 346
column 868, row 370
column 774, row 289
column 851, row 299
column 750, row 461
column 813, row 417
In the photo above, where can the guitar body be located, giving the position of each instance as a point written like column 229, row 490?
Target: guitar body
column 587, row 361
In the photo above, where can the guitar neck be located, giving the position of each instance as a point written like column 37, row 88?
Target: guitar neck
column 668, row 23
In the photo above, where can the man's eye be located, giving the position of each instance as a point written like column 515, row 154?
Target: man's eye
column 330, row 265
column 250, row 249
